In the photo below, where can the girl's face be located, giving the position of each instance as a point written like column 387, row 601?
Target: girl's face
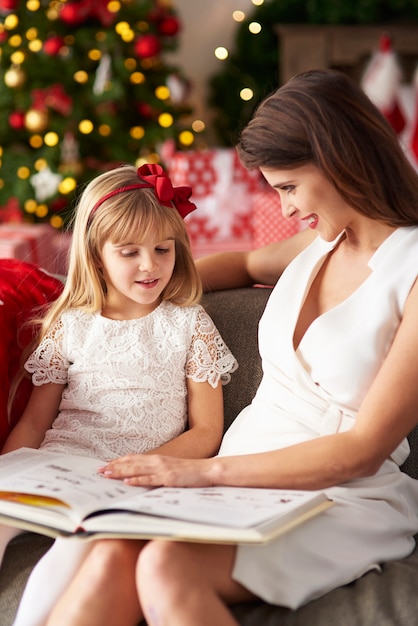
column 306, row 194
column 136, row 274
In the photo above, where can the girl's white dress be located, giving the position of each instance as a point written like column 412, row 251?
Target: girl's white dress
column 126, row 389
column 126, row 392
column 317, row 390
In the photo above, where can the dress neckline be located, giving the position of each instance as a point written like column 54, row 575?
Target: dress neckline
column 372, row 264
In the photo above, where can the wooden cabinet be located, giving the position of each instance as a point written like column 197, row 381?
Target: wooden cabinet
column 346, row 48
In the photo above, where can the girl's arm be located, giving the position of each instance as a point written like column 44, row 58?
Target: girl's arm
column 38, row 416
column 227, row 270
column 205, row 423
column 387, row 415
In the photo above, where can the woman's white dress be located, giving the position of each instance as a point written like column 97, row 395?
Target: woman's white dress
column 317, row 390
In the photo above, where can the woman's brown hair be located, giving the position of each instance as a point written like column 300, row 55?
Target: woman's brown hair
column 324, row 118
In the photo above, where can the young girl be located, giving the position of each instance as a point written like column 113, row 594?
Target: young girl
column 127, row 361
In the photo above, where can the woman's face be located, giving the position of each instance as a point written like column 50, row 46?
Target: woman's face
column 306, row 194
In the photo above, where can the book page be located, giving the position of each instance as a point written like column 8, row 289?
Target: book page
column 237, row 507
column 59, row 481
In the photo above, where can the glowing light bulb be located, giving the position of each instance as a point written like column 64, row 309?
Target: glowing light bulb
column 165, row 120
column 23, row 173
column 85, row 127
column 186, row 138
column 33, row 5
column 17, row 58
column 51, row 139
column 162, row 92
column 198, row 126
column 30, row 206
column 221, row 53
column 137, row 78
column 67, row 185
column 41, row 211
column 137, row 132
column 238, row 16
column 11, row 21
column 56, row 221
column 246, row 94
column 254, row 28
column 81, row 77
column 35, row 45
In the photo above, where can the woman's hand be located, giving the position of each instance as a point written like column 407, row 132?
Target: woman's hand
column 157, row 471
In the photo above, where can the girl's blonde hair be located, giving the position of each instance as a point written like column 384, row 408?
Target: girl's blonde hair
column 127, row 216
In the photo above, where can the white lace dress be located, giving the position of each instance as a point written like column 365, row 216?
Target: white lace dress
column 126, row 392
column 126, row 388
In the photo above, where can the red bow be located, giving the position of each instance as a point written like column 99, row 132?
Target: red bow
column 155, row 177
column 164, row 190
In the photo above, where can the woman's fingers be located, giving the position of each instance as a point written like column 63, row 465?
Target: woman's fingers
column 155, row 470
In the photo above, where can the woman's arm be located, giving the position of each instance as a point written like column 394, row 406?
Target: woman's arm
column 38, row 416
column 388, row 413
column 205, row 423
column 227, row 270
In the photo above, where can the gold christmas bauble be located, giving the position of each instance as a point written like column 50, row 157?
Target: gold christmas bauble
column 14, row 77
column 36, row 120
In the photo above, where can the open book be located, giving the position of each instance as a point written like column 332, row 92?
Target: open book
column 55, row 494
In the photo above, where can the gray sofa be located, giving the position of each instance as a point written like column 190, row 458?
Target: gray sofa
column 386, row 599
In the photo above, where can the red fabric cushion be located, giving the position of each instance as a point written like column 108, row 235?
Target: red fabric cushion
column 23, row 287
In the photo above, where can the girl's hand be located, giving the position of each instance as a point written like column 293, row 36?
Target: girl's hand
column 159, row 471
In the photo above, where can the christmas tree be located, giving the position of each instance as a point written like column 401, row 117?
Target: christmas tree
column 250, row 72
column 84, row 87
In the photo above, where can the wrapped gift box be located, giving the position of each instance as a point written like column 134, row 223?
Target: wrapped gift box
column 14, row 249
column 222, row 191
column 35, row 243
column 269, row 225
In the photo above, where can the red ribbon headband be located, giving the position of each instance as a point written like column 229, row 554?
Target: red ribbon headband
column 166, row 194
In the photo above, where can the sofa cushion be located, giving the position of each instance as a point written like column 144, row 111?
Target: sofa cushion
column 20, row 557
column 388, row 598
column 382, row 599
column 236, row 313
column 23, row 288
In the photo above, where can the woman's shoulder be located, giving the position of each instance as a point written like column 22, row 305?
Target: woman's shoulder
column 398, row 250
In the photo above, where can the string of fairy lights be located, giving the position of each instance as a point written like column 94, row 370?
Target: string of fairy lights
column 255, row 28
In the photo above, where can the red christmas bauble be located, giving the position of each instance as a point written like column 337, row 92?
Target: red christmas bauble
column 145, row 109
column 17, row 120
column 58, row 205
column 169, row 26
column 72, row 14
column 8, row 5
column 147, row 46
column 53, row 45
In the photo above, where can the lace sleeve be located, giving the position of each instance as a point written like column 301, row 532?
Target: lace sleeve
column 210, row 359
column 47, row 363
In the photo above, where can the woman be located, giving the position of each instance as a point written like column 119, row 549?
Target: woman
column 338, row 396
